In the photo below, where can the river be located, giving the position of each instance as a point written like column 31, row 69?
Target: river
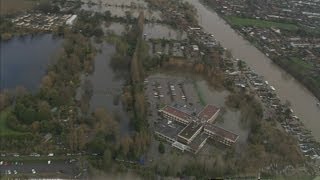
column 24, row 60
column 303, row 102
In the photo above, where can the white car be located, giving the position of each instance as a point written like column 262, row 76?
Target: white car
column 49, row 162
column 50, row 154
column 33, row 171
column 1, row 162
column 15, row 171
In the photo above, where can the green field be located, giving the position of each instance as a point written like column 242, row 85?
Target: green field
column 238, row 21
column 302, row 64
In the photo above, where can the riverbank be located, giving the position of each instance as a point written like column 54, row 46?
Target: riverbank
column 300, row 69
column 303, row 103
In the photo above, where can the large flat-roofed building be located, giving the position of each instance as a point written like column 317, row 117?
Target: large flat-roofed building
column 209, row 113
column 175, row 114
column 198, row 142
column 168, row 131
column 221, row 135
column 190, row 132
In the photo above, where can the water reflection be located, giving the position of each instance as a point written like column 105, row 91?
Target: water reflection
column 24, row 60
column 107, row 87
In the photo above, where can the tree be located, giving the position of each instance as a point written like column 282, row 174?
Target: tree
column 44, row 112
column 105, row 122
column 161, row 148
column 4, row 100
column 228, row 54
column 241, row 65
column 81, row 137
column 107, row 159
column 47, row 81
column 125, row 144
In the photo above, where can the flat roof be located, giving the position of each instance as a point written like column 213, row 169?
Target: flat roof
column 176, row 112
column 197, row 141
column 190, row 130
column 221, row 132
column 208, row 112
column 170, row 130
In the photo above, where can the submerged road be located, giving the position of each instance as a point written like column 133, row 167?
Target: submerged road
column 303, row 102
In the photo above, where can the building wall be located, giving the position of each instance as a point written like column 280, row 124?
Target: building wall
column 174, row 118
column 168, row 139
column 217, row 138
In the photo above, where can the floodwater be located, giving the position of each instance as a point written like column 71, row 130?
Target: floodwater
column 138, row 3
column 151, row 30
column 122, row 11
column 107, row 86
column 230, row 119
column 115, row 27
column 159, row 31
column 303, row 102
column 24, row 60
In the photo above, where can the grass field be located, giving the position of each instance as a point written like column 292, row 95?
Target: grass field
column 238, row 21
column 14, row 6
column 302, row 64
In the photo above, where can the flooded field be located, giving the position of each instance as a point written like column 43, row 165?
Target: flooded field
column 230, row 119
column 138, row 3
column 302, row 101
column 193, row 88
column 122, row 11
column 188, row 93
column 107, row 87
column 159, row 31
column 24, row 60
column 114, row 27
column 151, row 30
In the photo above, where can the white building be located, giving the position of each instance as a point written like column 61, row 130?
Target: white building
column 71, row 20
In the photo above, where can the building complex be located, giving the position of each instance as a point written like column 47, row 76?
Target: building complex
column 190, row 132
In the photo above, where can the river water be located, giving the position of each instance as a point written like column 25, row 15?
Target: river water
column 24, row 60
column 303, row 102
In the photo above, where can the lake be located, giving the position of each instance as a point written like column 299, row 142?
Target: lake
column 24, row 60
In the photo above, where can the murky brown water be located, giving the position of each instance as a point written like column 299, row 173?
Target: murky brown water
column 229, row 120
column 121, row 11
column 303, row 102
column 151, row 30
column 106, row 86
column 159, row 31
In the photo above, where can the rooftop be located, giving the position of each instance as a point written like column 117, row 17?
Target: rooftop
column 168, row 128
column 176, row 112
column 190, row 130
column 208, row 112
column 197, row 141
column 221, row 132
